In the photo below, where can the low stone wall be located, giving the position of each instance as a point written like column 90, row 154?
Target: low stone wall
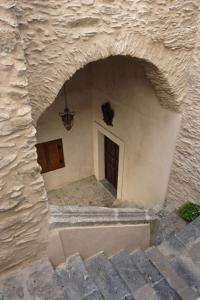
column 102, row 229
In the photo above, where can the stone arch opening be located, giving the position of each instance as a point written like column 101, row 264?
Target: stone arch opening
column 144, row 130
column 166, row 74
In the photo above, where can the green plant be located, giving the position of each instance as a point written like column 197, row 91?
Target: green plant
column 189, row 211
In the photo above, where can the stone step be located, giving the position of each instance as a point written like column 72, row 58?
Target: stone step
column 146, row 293
column 163, row 265
column 37, row 281
column 132, row 276
column 153, row 276
column 177, row 243
column 187, row 270
column 107, row 278
column 76, row 281
column 189, row 233
column 127, row 270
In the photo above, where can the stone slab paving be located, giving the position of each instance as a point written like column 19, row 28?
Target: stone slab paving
column 85, row 192
column 37, row 282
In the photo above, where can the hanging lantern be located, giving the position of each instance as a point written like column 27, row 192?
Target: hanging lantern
column 67, row 116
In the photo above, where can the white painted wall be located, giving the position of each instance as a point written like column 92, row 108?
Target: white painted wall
column 77, row 143
column 147, row 131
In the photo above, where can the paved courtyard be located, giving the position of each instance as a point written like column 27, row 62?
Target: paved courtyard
column 85, row 192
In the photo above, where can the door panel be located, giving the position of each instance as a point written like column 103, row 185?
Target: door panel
column 111, row 161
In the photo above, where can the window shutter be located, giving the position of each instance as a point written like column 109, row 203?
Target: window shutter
column 50, row 155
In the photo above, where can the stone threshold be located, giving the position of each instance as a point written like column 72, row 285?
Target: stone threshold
column 61, row 216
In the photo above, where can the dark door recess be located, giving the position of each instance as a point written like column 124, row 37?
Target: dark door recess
column 111, row 161
column 50, row 155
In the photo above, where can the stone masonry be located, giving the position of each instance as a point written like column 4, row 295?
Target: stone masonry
column 42, row 44
column 23, row 210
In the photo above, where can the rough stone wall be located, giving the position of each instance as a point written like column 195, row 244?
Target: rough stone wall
column 59, row 37
column 63, row 36
column 23, row 210
column 184, row 184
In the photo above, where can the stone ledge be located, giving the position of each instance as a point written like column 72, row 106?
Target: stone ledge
column 75, row 215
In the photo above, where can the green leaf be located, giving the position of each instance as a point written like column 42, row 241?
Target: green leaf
column 189, row 211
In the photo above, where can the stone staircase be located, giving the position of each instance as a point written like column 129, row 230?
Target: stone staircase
column 168, row 271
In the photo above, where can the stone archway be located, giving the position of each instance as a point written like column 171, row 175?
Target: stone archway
column 144, row 166
column 163, row 68
column 39, row 64
column 44, row 83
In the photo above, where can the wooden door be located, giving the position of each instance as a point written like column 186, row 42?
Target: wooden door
column 111, row 161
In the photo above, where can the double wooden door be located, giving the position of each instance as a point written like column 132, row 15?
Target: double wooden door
column 111, row 161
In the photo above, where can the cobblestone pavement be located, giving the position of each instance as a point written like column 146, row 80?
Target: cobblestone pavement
column 85, row 192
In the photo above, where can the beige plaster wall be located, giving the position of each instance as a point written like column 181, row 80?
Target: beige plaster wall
column 77, row 143
column 147, row 130
column 110, row 239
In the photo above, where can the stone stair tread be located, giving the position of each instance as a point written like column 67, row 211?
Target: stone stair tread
column 96, row 295
column 153, row 276
column 76, row 281
column 146, row 293
column 186, row 269
column 180, row 240
column 171, row 247
column 189, row 233
column 175, row 281
column 150, row 273
column 107, row 278
column 127, row 270
column 164, row 291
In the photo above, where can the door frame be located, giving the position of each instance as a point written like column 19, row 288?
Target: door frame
column 99, row 155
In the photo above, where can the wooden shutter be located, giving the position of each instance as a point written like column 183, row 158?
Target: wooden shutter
column 50, row 155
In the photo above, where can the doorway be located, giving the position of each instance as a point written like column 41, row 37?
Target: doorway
column 111, row 151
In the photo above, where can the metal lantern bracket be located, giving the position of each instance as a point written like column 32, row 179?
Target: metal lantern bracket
column 67, row 116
